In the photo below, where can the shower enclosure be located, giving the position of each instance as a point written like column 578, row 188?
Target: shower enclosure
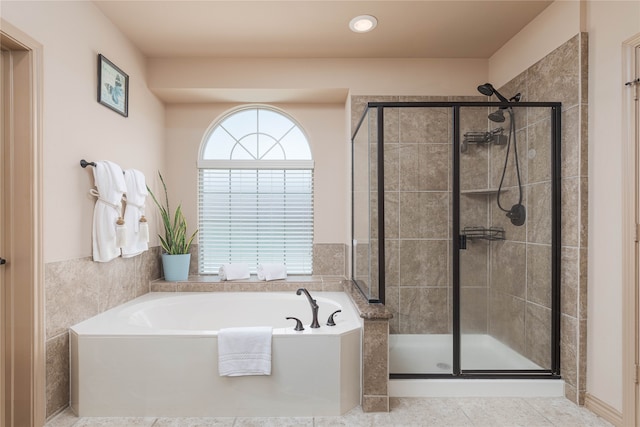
column 456, row 229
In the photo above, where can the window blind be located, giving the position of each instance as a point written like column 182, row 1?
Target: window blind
column 256, row 216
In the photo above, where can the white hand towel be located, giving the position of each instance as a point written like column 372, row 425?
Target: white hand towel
column 272, row 272
column 244, row 351
column 110, row 186
column 234, row 271
column 136, row 195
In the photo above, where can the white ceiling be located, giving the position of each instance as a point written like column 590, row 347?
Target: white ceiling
column 319, row 29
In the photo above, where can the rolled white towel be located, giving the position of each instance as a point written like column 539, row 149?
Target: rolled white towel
column 234, row 271
column 272, row 272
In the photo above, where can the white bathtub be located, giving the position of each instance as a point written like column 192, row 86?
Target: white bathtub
column 157, row 356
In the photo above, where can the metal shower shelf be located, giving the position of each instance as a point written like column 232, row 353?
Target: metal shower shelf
column 485, row 233
column 481, row 191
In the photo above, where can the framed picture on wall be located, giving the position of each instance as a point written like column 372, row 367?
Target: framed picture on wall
column 113, row 86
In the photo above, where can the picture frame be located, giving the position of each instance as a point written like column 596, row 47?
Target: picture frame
column 113, row 86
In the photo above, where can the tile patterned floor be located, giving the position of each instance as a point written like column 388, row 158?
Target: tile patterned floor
column 405, row 412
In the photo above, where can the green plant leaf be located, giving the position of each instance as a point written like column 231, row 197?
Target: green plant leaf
column 174, row 241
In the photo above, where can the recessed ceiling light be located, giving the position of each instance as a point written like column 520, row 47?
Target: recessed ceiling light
column 363, row 23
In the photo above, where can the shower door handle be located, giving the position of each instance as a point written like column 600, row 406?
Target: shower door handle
column 463, row 242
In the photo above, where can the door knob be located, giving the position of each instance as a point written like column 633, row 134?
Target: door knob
column 3, row 261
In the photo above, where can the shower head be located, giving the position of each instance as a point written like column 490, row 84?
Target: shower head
column 488, row 90
column 497, row 116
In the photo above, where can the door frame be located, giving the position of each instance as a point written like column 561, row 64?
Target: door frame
column 24, row 367
column 630, row 232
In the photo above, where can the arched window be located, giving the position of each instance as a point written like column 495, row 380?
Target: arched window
column 255, row 192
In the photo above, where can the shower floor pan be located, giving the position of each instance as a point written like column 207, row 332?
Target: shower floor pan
column 433, row 354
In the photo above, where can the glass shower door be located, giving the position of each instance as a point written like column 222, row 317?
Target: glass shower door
column 506, row 236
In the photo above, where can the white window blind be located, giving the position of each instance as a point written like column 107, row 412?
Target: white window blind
column 256, row 192
column 256, row 216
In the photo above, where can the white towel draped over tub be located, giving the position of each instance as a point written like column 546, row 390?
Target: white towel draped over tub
column 137, row 232
column 272, row 272
column 244, row 351
column 234, row 271
column 110, row 186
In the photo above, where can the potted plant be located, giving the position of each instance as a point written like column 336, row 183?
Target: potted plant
column 175, row 243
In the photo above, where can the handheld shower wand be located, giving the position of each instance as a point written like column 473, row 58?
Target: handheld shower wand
column 488, row 90
column 517, row 214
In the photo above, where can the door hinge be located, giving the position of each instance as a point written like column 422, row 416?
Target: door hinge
column 637, row 374
column 637, row 232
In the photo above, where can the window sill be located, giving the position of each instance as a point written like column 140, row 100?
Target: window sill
column 212, row 283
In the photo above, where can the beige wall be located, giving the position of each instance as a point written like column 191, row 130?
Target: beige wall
column 321, row 80
column 609, row 23
column 186, row 125
column 555, row 25
column 75, row 125
column 314, row 92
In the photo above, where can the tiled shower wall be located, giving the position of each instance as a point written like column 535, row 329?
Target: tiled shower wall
column 505, row 285
column 78, row 289
column 560, row 76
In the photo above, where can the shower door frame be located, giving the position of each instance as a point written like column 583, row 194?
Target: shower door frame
column 556, row 133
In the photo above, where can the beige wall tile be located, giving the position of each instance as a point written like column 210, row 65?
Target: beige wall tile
column 539, row 151
column 474, row 315
column 424, row 215
column 375, row 358
column 375, row 403
column 508, row 268
column 473, row 264
column 538, row 335
column 507, row 320
column 569, row 350
column 72, row 294
column 539, row 274
column 571, row 142
column 424, row 263
column 556, row 77
column 424, row 310
column 424, row 167
column 57, row 382
column 570, row 215
column 539, row 213
column 328, row 259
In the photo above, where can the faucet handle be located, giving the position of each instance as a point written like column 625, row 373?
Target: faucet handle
column 330, row 321
column 299, row 326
